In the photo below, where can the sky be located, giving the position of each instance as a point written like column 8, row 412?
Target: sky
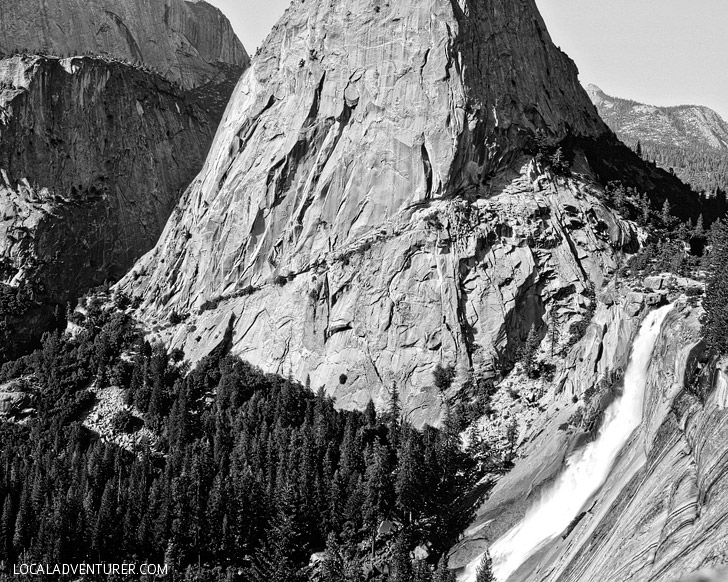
column 661, row 52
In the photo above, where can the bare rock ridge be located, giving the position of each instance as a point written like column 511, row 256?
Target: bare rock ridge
column 367, row 210
column 187, row 41
column 67, row 167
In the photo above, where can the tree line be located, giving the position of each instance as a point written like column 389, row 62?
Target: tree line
column 248, row 474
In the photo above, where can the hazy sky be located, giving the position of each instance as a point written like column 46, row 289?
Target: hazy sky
column 663, row 52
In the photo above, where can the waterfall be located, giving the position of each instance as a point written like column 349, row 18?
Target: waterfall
column 586, row 470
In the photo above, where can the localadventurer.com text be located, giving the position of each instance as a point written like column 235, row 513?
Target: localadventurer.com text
column 124, row 569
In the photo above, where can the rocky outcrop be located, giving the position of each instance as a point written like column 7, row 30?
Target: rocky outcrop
column 93, row 158
column 367, row 208
column 95, row 151
column 671, row 514
column 15, row 397
column 458, row 283
column 187, row 41
column 102, row 417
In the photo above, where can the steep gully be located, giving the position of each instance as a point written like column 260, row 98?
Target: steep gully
column 586, row 470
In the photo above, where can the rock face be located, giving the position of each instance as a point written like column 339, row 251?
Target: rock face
column 378, row 201
column 661, row 515
column 96, row 151
column 93, row 157
column 367, row 208
column 187, row 41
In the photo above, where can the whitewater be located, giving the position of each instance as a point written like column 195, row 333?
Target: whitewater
column 586, row 470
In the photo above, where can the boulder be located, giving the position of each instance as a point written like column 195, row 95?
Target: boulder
column 13, row 402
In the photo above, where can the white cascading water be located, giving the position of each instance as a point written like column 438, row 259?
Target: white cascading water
column 586, row 470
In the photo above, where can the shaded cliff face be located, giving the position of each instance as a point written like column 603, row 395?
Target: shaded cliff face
column 367, row 209
column 93, row 158
column 187, row 41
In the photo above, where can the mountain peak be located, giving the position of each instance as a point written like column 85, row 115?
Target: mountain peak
column 378, row 110
column 352, row 121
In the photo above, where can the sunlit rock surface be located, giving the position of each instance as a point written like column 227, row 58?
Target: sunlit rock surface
column 366, row 208
column 187, row 41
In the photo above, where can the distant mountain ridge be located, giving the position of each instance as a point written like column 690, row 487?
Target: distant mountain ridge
column 690, row 139
column 693, row 125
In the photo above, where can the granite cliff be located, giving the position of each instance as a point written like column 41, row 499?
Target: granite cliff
column 95, row 151
column 377, row 202
column 187, row 41
column 93, row 158
column 404, row 186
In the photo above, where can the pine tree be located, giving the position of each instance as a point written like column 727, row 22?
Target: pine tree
column 7, row 527
column 401, row 566
column 559, row 163
column 529, row 351
column 370, row 413
column 409, row 478
column 668, row 220
column 443, row 573
column 511, row 439
column 378, row 487
column 394, row 414
column 285, row 549
column 645, row 210
column 443, row 377
column 23, row 522
column 332, row 565
column 484, row 572
column 104, row 536
column 716, row 292
column 699, row 229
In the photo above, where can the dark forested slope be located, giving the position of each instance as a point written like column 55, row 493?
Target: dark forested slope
column 241, row 475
